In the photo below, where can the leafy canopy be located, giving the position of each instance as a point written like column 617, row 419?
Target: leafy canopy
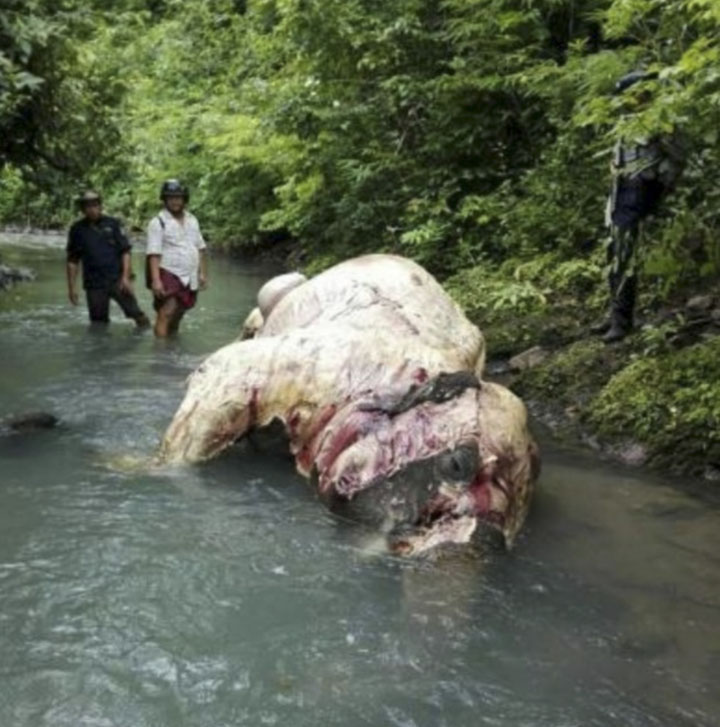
column 459, row 132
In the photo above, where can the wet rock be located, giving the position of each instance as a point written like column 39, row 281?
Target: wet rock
column 700, row 303
column 32, row 421
column 497, row 367
column 572, row 412
column 9, row 276
column 529, row 359
column 633, row 454
column 712, row 473
column 25, row 274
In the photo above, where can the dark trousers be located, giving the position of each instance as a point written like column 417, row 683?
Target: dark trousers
column 633, row 202
column 622, row 276
column 98, row 302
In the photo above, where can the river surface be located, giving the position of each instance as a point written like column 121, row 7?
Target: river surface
column 226, row 595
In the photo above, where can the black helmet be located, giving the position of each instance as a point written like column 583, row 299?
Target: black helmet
column 630, row 79
column 174, row 188
column 86, row 197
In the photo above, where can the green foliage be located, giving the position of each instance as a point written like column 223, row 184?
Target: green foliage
column 458, row 132
column 656, row 339
column 571, row 375
column 56, row 94
column 559, row 278
column 542, row 281
column 482, row 291
column 544, row 299
column 671, row 402
column 11, row 187
column 666, row 399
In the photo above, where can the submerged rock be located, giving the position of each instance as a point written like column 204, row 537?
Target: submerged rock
column 712, row 473
column 632, row 454
column 32, row 421
column 9, row 276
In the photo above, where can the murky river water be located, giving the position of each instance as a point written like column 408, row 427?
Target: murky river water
column 226, row 595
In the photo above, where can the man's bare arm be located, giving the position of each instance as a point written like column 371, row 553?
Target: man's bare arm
column 156, row 282
column 72, row 274
column 203, row 270
column 126, row 280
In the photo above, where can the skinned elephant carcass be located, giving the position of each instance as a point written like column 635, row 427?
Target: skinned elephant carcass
column 376, row 376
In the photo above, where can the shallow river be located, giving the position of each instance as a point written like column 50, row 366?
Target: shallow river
column 226, row 595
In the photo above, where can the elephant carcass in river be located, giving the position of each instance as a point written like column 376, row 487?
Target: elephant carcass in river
column 375, row 374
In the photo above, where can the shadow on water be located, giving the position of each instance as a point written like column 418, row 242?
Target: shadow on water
column 228, row 595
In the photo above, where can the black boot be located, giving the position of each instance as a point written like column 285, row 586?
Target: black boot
column 622, row 310
column 621, row 323
column 616, row 332
column 602, row 327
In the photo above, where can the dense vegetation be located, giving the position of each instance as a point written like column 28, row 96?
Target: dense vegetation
column 56, row 105
column 471, row 135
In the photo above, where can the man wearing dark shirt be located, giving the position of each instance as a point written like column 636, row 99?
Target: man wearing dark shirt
column 97, row 241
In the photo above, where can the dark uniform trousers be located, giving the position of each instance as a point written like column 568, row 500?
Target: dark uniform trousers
column 98, row 302
column 635, row 199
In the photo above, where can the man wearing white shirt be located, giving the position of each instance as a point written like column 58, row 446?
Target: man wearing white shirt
column 176, row 264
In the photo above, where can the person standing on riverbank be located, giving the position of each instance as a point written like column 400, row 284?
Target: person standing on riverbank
column 644, row 171
column 99, row 243
column 176, row 265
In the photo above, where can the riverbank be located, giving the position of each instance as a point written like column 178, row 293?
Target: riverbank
column 652, row 399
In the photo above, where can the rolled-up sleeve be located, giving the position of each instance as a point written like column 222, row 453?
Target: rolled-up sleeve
column 74, row 248
column 154, row 238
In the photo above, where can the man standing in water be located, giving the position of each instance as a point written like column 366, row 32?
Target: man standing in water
column 176, row 264
column 100, row 244
column 644, row 170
